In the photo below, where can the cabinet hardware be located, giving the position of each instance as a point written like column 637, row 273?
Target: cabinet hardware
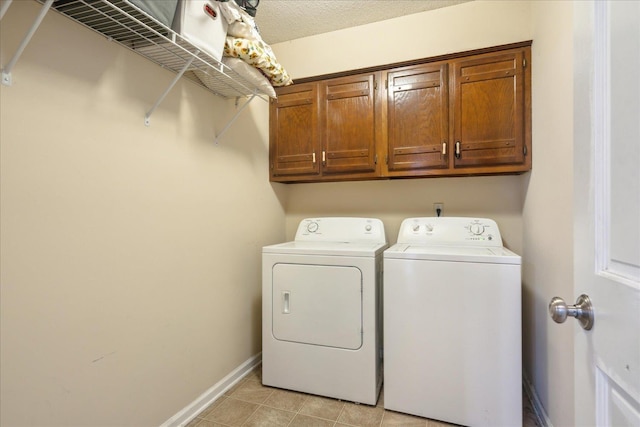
column 444, row 148
column 524, row 149
column 457, row 149
column 313, row 157
column 524, row 62
column 375, row 159
column 324, row 157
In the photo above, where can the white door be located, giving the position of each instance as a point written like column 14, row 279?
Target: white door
column 607, row 211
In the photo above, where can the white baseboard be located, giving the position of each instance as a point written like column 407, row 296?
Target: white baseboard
column 538, row 409
column 208, row 397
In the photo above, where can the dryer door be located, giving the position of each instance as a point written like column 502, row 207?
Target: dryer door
column 318, row 305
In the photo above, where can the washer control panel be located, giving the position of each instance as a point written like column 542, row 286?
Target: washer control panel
column 339, row 229
column 450, row 231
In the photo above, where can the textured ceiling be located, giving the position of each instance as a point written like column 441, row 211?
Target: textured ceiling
column 284, row 20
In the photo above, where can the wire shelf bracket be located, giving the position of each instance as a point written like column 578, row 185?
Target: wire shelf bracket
column 6, row 71
column 166, row 92
column 233, row 119
column 4, row 7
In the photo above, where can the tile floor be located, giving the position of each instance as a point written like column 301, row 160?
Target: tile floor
column 249, row 403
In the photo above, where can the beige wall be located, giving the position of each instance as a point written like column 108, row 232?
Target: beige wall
column 458, row 28
column 130, row 255
column 533, row 210
column 548, row 211
column 499, row 198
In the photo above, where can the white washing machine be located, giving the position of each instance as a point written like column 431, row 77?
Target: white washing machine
column 321, row 304
column 452, row 323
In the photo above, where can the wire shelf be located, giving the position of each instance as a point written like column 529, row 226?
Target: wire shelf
column 124, row 23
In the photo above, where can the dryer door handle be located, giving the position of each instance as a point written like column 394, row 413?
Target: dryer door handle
column 286, row 302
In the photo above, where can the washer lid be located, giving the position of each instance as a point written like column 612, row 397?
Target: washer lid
column 493, row 255
column 353, row 249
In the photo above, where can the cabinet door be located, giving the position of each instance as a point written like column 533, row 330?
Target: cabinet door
column 489, row 110
column 418, row 119
column 348, row 125
column 294, row 137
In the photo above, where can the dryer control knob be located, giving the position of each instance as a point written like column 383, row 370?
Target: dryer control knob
column 312, row 227
column 476, row 229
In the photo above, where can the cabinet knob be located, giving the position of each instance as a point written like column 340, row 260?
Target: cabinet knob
column 457, row 149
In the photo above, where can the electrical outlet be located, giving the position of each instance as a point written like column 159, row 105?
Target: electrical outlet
column 438, row 208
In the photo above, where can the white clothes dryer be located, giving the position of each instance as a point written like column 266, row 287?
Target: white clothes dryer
column 452, row 323
column 321, row 303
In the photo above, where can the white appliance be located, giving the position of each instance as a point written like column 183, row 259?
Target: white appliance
column 452, row 323
column 321, row 303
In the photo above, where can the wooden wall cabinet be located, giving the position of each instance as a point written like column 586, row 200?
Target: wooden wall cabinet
column 348, row 131
column 490, row 111
column 465, row 114
column 325, row 130
column 417, row 110
column 294, row 132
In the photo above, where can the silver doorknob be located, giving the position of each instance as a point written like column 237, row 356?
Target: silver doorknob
column 583, row 311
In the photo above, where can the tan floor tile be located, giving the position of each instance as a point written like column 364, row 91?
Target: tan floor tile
column 235, row 387
column 256, row 374
column 211, row 407
column 232, row 412
column 285, row 399
column 194, row 422
column 256, row 405
column 399, row 419
column 306, row 421
column 361, row 415
column 322, row 407
column 269, row 417
column 206, row 423
column 252, row 391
